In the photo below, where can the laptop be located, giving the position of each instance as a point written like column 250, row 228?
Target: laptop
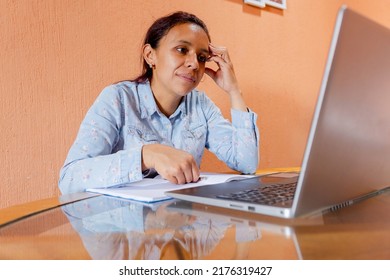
column 347, row 156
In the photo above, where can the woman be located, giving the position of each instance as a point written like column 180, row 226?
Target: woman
column 158, row 122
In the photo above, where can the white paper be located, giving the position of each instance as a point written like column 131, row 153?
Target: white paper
column 152, row 190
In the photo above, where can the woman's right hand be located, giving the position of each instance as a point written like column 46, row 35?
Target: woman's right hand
column 176, row 166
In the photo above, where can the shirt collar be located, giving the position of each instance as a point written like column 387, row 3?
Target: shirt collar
column 149, row 105
column 182, row 109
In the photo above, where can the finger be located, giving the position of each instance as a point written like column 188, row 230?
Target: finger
column 171, row 179
column 195, row 172
column 210, row 72
column 192, row 173
column 217, row 49
column 188, row 175
column 180, row 178
column 216, row 58
column 220, row 51
column 220, row 61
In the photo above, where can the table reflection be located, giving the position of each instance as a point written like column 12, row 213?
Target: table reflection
column 111, row 228
column 102, row 227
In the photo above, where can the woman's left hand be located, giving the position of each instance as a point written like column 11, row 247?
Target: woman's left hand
column 224, row 76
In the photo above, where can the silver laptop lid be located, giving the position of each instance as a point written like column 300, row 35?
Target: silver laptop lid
column 348, row 150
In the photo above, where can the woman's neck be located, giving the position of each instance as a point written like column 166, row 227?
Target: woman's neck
column 166, row 102
column 167, row 108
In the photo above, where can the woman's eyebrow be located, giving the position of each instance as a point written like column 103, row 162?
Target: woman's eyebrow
column 203, row 50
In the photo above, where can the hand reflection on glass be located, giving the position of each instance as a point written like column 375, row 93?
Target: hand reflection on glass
column 111, row 228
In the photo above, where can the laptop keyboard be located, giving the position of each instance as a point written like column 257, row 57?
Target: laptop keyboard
column 268, row 195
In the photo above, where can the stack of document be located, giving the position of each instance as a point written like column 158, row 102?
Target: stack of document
column 153, row 190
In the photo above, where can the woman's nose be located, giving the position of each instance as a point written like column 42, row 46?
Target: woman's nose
column 192, row 61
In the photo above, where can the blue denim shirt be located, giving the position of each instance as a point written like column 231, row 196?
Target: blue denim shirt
column 107, row 150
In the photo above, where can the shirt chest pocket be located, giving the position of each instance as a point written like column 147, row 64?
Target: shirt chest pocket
column 194, row 139
column 139, row 136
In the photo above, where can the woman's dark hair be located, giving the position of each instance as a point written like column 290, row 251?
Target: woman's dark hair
column 159, row 29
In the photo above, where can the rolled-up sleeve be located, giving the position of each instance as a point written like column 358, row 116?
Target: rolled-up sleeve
column 235, row 143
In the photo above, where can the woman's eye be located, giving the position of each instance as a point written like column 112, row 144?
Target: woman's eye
column 182, row 50
column 202, row 58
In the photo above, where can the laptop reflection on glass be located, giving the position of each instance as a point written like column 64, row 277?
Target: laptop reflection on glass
column 347, row 153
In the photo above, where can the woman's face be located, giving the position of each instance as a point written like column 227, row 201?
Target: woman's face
column 180, row 60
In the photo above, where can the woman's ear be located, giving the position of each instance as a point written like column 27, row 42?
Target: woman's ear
column 149, row 55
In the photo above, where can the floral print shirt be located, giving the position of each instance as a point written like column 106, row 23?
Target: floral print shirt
column 125, row 116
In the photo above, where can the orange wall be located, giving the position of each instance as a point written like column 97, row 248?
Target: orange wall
column 56, row 57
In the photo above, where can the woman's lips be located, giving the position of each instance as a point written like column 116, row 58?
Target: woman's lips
column 188, row 78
